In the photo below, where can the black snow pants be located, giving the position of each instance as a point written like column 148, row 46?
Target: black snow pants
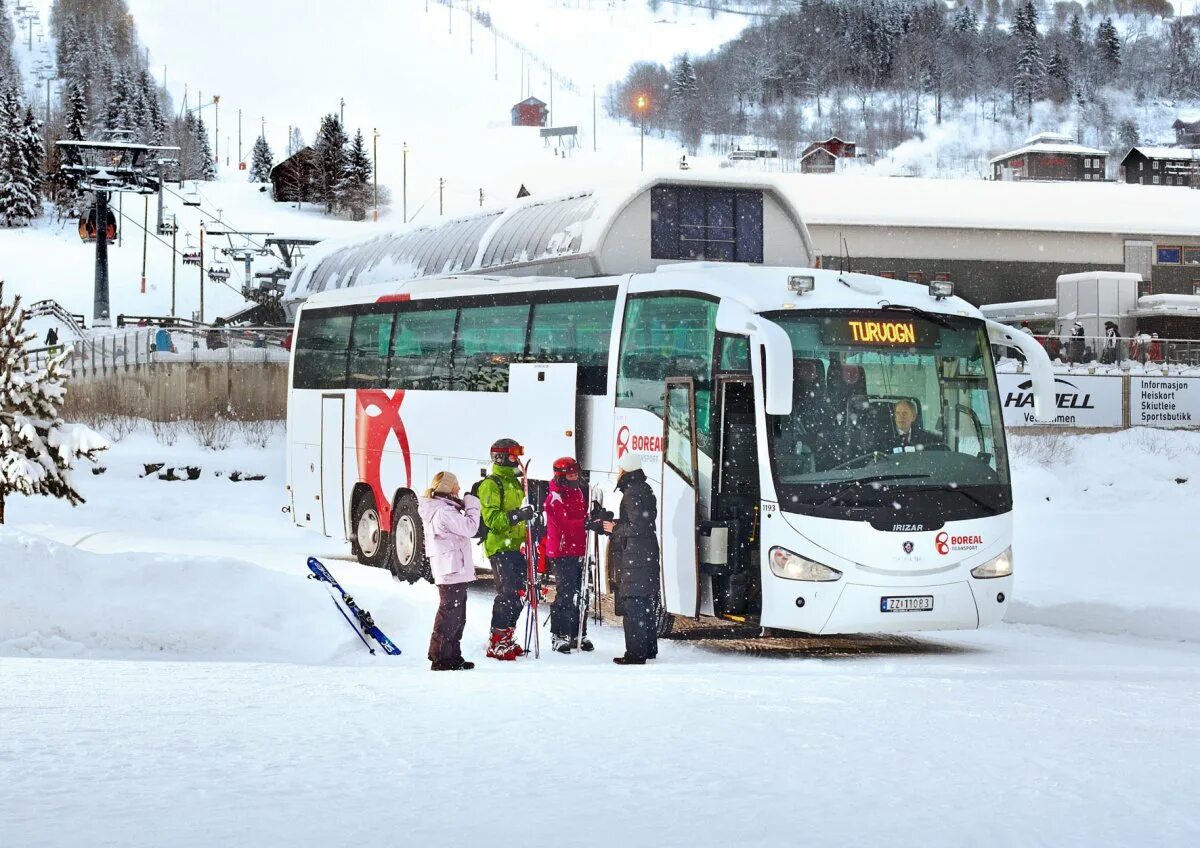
column 564, row 612
column 445, row 645
column 641, row 631
column 509, row 571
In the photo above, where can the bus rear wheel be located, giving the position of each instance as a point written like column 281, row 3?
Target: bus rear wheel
column 408, row 542
column 369, row 541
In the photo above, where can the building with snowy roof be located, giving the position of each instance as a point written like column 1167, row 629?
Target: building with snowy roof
column 1050, row 156
column 1172, row 166
column 588, row 233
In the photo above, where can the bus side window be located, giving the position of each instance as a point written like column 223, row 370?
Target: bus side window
column 421, row 349
column 321, row 349
column 574, row 332
column 489, row 338
column 370, row 340
column 668, row 336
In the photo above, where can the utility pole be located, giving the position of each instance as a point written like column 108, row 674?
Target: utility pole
column 481, row 197
column 550, row 111
column 121, row 218
column 217, row 129
column 470, row 31
column 404, row 178
column 145, row 235
column 263, row 130
column 342, row 111
column 450, row 15
column 441, row 195
column 375, row 170
column 521, row 93
column 495, row 55
column 201, row 272
column 174, row 257
column 47, row 100
column 594, row 127
column 239, row 136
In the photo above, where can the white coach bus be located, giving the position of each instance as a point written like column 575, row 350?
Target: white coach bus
column 761, row 400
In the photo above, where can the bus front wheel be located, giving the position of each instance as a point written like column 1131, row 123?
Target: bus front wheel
column 369, row 542
column 408, row 541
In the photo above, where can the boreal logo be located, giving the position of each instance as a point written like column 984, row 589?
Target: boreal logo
column 1076, row 398
column 629, row 441
column 944, row 543
column 908, row 547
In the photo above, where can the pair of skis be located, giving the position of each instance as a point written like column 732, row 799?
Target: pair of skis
column 589, row 584
column 362, row 624
column 532, row 589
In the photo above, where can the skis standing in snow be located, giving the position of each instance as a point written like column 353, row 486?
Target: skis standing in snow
column 449, row 524
column 501, row 497
column 566, row 512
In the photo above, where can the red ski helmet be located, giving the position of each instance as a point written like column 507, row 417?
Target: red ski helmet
column 565, row 466
column 505, row 452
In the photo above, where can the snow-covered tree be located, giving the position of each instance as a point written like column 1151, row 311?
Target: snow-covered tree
column 201, row 166
column 354, row 189
column 1030, row 79
column 295, row 141
column 38, row 450
column 34, row 150
column 18, row 200
column 1108, row 46
column 331, row 161
column 261, row 161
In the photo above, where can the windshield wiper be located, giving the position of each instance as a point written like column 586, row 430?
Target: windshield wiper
column 878, row 478
column 928, row 316
column 956, row 489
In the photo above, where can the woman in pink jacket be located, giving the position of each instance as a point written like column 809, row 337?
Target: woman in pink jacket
column 566, row 511
column 450, row 524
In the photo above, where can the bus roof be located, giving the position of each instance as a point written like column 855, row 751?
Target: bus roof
column 760, row 289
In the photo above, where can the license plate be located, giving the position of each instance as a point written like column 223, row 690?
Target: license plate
column 906, row 603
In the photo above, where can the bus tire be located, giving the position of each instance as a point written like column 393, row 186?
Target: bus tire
column 408, row 541
column 368, row 539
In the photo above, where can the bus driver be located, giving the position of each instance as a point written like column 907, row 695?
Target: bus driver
column 906, row 433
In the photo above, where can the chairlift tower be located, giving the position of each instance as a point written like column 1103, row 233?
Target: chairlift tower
column 104, row 167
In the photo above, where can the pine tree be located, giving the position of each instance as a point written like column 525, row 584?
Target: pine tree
column 1108, row 46
column 354, row 190
column 74, row 129
column 965, row 21
column 683, row 79
column 1058, row 77
column 18, row 203
column 1030, row 78
column 331, row 161
column 261, row 161
column 202, row 155
column 38, row 450
column 34, row 150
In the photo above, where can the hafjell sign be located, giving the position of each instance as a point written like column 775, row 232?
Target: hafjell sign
column 1082, row 401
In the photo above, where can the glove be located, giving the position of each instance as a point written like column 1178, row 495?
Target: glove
column 525, row 513
column 471, row 500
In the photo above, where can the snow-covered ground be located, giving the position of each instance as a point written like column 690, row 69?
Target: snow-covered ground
column 172, row 679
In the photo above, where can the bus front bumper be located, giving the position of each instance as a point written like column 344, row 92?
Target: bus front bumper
column 866, row 608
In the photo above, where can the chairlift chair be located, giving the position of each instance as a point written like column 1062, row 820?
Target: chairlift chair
column 87, row 224
column 192, row 198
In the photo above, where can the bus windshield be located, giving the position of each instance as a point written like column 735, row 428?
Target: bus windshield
column 895, row 413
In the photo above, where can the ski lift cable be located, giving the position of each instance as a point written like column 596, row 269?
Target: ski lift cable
column 211, row 216
column 179, row 253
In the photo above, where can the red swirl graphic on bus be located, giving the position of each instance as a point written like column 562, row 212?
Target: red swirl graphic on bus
column 942, row 543
column 371, row 432
column 622, row 441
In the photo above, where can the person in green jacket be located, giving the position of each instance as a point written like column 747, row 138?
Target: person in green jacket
column 505, row 514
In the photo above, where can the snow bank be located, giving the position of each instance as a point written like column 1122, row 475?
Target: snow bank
column 59, row 601
column 1104, row 531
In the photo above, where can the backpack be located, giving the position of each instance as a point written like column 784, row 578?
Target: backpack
column 481, row 532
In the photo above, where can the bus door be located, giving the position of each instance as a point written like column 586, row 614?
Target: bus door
column 728, row 549
column 333, row 458
column 678, row 509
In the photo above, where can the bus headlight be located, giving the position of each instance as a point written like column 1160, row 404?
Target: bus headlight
column 792, row 566
column 1000, row 566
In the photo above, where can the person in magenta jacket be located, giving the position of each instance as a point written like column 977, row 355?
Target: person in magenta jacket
column 449, row 524
column 566, row 511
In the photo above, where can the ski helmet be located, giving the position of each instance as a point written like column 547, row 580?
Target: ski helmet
column 564, row 466
column 505, row 452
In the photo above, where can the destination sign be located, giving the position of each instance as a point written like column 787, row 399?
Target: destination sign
column 869, row 331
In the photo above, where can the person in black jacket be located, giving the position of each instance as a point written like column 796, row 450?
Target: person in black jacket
column 633, row 553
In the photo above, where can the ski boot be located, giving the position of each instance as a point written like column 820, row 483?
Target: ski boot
column 501, row 646
column 584, row 644
column 562, row 644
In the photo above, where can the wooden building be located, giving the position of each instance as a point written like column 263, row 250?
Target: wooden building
column 821, row 157
column 294, row 179
column 1050, row 156
column 530, row 112
column 1187, row 133
column 1173, row 166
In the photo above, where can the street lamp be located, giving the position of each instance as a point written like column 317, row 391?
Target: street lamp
column 642, row 104
column 375, row 156
column 404, row 178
